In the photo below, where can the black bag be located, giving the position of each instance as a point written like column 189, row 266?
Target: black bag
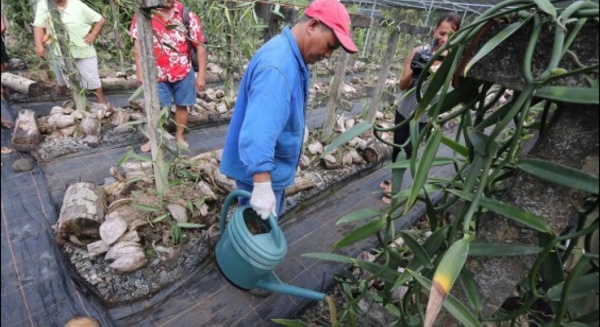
column 192, row 49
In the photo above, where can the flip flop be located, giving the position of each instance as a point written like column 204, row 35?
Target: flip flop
column 6, row 150
column 387, row 198
column 6, row 123
column 146, row 147
column 384, row 184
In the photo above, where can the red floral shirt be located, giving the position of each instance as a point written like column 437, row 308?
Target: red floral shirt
column 170, row 44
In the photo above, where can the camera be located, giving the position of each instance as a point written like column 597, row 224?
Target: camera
column 421, row 58
column 418, row 63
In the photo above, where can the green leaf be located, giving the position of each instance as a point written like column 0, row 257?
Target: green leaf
column 348, row 135
column 424, row 166
column 329, row 257
column 493, row 43
column 191, row 225
column 358, row 215
column 455, row 146
column 360, row 233
column 387, row 274
column 160, row 218
column 436, row 162
column 571, row 94
column 510, row 211
column 136, row 93
column 546, row 7
column 146, row 207
column 471, row 289
column 417, row 250
column 172, row 27
column 501, row 250
column 583, row 286
column 560, row 174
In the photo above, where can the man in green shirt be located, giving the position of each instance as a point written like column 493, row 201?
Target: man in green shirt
column 83, row 26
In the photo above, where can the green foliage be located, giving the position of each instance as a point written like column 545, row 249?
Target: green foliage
column 489, row 138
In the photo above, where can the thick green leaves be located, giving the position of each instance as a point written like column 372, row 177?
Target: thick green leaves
column 493, row 43
column 358, row 215
column 360, row 233
column 560, row 174
column 424, row 166
column 436, row 162
column 136, row 93
column 583, row 286
column 501, row 250
column 329, row 257
column 547, row 7
column 510, row 211
column 455, row 146
column 570, row 94
column 417, row 250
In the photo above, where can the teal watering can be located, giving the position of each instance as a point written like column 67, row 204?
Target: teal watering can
column 247, row 258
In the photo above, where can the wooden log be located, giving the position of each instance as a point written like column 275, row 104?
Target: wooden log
column 118, row 84
column 26, row 136
column 82, row 211
column 300, row 184
column 20, row 84
column 376, row 151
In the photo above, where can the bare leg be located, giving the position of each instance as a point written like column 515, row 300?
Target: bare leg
column 100, row 95
column 181, row 119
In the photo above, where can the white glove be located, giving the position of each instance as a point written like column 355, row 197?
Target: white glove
column 263, row 200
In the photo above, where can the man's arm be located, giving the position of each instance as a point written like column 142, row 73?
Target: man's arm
column 138, row 62
column 407, row 78
column 38, row 37
column 202, row 61
column 96, row 28
column 2, row 24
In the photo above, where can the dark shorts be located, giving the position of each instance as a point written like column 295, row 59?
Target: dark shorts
column 3, row 53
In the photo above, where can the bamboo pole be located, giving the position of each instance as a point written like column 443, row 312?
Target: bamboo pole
column 118, row 43
column 150, row 76
column 385, row 68
column 69, row 70
column 334, row 98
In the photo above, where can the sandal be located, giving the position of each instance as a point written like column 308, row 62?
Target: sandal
column 146, row 147
column 6, row 123
column 386, row 186
column 387, row 198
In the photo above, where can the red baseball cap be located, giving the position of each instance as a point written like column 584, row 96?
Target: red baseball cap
column 333, row 14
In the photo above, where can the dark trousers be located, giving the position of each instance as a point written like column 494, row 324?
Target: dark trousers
column 401, row 135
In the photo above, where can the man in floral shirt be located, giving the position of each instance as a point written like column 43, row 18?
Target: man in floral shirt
column 177, row 82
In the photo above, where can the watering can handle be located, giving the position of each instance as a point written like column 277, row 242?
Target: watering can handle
column 275, row 230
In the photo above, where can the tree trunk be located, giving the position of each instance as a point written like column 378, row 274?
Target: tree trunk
column 385, row 69
column 151, row 103
column 334, row 97
column 82, row 211
column 20, row 84
column 26, row 135
column 376, row 151
column 118, row 84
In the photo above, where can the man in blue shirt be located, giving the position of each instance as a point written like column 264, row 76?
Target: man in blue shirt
column 263, row 145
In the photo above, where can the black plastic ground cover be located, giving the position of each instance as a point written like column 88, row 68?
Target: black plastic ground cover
column 38, row 289
column 41, row 290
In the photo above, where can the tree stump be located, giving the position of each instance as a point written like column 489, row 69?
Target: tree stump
column 376, row 151
column 20, row 84
column 26, row 135
column 82, row 211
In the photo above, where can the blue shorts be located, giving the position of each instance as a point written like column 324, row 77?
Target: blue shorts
column 182, row 92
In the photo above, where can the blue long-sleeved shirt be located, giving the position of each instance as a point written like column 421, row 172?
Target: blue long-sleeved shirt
column 267, row 127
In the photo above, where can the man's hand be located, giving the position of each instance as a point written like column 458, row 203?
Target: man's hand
column 40, row 50
column 263, row 200
column 200, row 82
column 89, row 39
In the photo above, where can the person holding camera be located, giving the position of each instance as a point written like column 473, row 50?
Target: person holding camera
column 413, row 68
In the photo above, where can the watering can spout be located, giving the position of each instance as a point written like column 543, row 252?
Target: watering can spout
column 272, row 283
